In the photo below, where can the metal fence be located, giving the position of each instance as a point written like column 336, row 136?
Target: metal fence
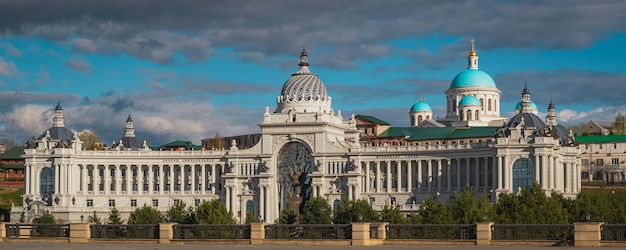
column 374, row 231
column 532, row 232
column 431, row 231
column 206, row 231
column 139, row 231
column 309, row 231
column 38, row 230
column 613, row 232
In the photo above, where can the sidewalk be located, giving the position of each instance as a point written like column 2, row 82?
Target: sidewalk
column 102, row 246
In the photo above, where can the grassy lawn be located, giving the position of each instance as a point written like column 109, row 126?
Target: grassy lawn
column 9, row 195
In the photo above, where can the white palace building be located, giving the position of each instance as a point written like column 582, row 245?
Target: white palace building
column 307, row 149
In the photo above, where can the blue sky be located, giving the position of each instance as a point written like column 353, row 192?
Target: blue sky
column 188, row 70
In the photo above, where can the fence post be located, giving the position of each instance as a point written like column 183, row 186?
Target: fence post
column 483, row 233
column 166, row 232
column 587, row 234
column 382, row 230
column 3, row 231
column 80, row 232
column 361, row 234
column 257, row 233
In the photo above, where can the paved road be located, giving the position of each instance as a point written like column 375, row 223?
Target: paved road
column 99, row 246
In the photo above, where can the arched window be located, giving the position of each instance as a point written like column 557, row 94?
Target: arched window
column 469, row 115
column 523, row 174
column 482, row 104
column 46, row 188
column 454, row 105
column 336, row 204
column 419, row 119
column 413, row 121
column 477, row 118
column 250, row 208
column 427, row 117
column 489, row 105
column 461, row 116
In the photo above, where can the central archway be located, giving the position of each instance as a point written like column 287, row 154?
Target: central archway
column 295, row 164
column 523, row 174
column 46, row 188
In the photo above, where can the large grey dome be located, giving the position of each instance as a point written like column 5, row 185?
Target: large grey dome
column 303, row 91
column 58, row 131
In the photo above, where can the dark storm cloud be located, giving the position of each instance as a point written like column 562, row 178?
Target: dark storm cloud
column 122, row 104
column 344, row 33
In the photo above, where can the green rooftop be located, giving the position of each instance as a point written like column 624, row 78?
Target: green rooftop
column 13, row 153
column 600, row 138
column 417, row 134
column 175, row 144
column 373, row 119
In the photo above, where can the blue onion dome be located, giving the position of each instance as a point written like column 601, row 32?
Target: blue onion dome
column 421, row 106
column 473, row 78
column 469, row 100
column 533, row 106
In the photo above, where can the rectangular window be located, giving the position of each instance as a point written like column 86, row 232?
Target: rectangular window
column 135, row 172
column 89, row 202
column 135, row 186
column 176, row 202
column 90, row 172
column 123, row 172
column 112, row 172
column 196, row 202
column 101, row 187
column 393, row 201
column 585, row 162
column 124, row 186
column 600, row 162
column 133, row 203
column 101, row 172
column 615, row 161
column 90, row 187
column 113, row 186
column 111, row 203
column 372, row 201
column 614, row 145
column 155, row 202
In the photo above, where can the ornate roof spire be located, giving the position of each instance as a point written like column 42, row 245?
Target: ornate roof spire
column 473, row 51
column 304, row 63
column 472, row 58
column 58, row 120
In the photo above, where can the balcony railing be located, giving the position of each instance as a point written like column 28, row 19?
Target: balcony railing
column 613, row 232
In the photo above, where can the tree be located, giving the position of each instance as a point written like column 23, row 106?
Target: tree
column 432, row 212
column 350, row 211
column 316, row 211
column 47, row 218
column 145, row 215
column 8, row 143
column 179, row 213
column 287, row 216
column 465, row 208
column 114, row 217
column 619, row 126
column 213, row 212
column 393, row 215
column 90, row 140
column 95, row 219
column 250, row 218
column 217, row 142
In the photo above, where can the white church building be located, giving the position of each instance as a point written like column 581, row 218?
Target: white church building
column 307, row 149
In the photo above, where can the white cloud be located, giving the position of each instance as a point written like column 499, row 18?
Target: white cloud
column 7, row 68
column 85, row 44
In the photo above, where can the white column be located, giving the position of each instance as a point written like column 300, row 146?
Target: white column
column 85, row 178
column 507, row 171
column 544, row 172
column 500, row 172
column 449, row 175
column 27, row 179
column 378, row 179
column 118, row 179
column 420, row 179
column 194, row 176
column 367, row 176
column 439, row 175
column 537, row 169
column 161, row 179
column 398, row 176
column 430, row 177
column 409, row 176
column 228, row 205
column 468, row 172
column 477, row 175
column 203, row 179
column 150, row 179
column 262, row 201
column 458, row 174
column 388, row 169
column 129, row 177
column 107, row 180
column 350, row 186
column 213, row 179
column 172, row 174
